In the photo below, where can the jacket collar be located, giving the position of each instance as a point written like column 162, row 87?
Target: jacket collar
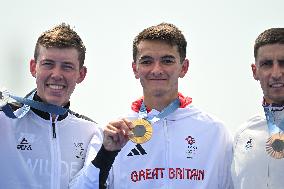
column 184, row 101
column 46, row 115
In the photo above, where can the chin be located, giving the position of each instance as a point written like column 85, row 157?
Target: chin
column 55, row 102
column 278, row 100
column 158, row 93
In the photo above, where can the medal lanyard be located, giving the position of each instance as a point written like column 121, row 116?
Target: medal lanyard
column 28, row 102
column 165, row 112
column 275, row 143
column 270, row 119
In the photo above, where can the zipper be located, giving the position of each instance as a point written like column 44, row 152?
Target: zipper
column 55, row 157
column 53, row 129
column 166, row 134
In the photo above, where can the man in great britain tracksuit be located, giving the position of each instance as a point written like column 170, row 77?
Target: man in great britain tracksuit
column 40, row 148
column 173, row 144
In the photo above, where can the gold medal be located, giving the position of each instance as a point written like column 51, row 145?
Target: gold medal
column 275, row 146
column 142, row 131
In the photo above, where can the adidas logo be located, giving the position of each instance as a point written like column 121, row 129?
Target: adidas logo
column 138, row 150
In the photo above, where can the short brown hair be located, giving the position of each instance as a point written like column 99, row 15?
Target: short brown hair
column 269, row 36
column 162, row 32
column 61, row 36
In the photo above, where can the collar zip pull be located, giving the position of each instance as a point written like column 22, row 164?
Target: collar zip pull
column 53, row 130
column 53, row 119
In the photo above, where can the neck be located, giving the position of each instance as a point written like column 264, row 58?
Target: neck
column 159, row 102
column 268, row 101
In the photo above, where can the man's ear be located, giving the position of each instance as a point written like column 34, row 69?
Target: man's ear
column 33, row 67
column 184, row 68
column 82, row 74
column 254, row 71
column 135, row 70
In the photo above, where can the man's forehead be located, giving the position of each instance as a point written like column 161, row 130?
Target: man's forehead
column 157, row 42
column 156, row 47
column 271, row 51
column 55, row 48
column 58, row 53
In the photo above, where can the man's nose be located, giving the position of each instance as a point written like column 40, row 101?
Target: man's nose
column 57, row 72
column 277, row 71
column 157, row 68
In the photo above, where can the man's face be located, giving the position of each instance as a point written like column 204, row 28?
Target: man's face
column 57, row 72
column 158, row 67
column 269, row 70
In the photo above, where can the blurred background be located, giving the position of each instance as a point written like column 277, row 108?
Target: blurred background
column 220, row 36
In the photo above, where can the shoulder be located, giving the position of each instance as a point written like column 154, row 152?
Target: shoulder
column 203, row 120
column 81, row 117
column 200, row 115
column 83, row 121
column 253, row 128
column 256, row 122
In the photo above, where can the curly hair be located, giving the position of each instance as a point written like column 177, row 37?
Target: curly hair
column 166, row 32
column 61, row 36
column 269, row 36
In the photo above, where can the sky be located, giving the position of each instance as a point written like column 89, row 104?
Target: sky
column 220, row 36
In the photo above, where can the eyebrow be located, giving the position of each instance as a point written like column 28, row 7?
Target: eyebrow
column 145, row 57
column 163, row 57
column 50, row 60
column 168, row 56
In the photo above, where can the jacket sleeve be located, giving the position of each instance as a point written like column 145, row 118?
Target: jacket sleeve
column 95, row 172
column 226, row 160
column 87, row 178
column 104, row 161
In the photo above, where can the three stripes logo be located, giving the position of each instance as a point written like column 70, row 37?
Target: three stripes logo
column 138, row 150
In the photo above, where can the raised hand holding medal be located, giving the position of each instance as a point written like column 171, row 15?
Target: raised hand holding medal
column 275, row 121
column 142, row 131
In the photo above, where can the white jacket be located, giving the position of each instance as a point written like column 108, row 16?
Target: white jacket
column 252, row 166
column 188, row 149
column 34, row 156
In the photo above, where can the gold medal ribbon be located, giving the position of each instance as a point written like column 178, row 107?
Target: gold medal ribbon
column 142, row 131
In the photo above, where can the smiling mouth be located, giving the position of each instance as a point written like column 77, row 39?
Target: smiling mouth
column 155, row 79
column 55, row 87
column 276, row 85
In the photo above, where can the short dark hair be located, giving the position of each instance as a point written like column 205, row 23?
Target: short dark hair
column 61, row 36
column 162, row 32
column 269, row 36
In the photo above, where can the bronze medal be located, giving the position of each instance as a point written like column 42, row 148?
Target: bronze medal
column 142, row 131
column 275, row 146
